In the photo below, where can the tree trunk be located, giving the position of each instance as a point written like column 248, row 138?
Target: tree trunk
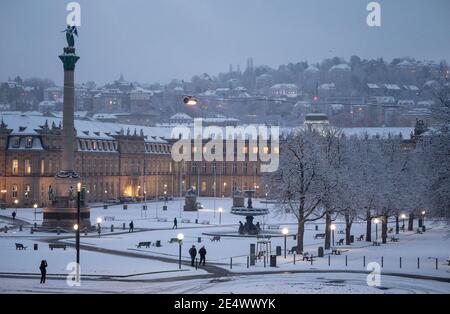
column 397, row 225
column 300, row 234
column 384, row 229
column 368, row 227
column 411, row 221
column 327, row 231
column 348, row 227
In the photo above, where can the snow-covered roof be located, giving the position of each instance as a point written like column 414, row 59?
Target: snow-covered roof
column 372, row 85
column 382, row 132
column 392, row 86
column 312, row 68
column 327, row 86
column 181, row 116
column 23, row 124
column 340, row 67
column 284, row 85
column 385, row 99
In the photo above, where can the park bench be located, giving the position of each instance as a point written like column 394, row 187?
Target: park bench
column 419, row 231
column 340, row 242
column 260, row 254
column 19, row 246
column 360, row 238
column 375, row 243
column 185, row 221
column 394, row 239
column 341, row 232
column 57, row 246
column 205, row 222
column 307, row 257
column 293, row 250
column 335, row 251
column 391, row 230
column 273, row 227
column 162, row 219
column 110, row 218
column 146, row 244
column 173, row 240
column 215, row 239
column 448, row 261
column 319, row 236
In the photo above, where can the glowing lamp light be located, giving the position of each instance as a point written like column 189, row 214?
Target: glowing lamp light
column 75, row 227
column 423, row 212
column 99, row 220
column 35, row 206
column 79, row 187
column 403, row 216
column 285, row 231
column 190, row 101
column 16, row 202
column 220, row 209
column 333, row 227
column 376, row 220
column 180, row 237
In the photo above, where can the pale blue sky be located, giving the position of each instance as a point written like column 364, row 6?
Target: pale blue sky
column 156, row 40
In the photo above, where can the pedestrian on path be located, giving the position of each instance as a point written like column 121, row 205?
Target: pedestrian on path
column 193, row 254
column 43, row 269
column 131, row 225
column 175, row 223
column 202, row 253
column 14, row 215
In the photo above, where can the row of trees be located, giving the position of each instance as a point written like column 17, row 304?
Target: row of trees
column 327, row 175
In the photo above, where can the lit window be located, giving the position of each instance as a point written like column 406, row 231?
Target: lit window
column 27, row 193
column 255, row 149
column 266, row 150
column 203, row 186
column 27, row 166
column 245, row 149
column 29, row 142
column 276, row 150
column 15, row 166
column 14, row 191
column 42, row 166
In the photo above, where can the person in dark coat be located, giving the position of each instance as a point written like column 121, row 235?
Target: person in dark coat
column 202, row 253
column 14, row 215
column 43, row 269
column 193, row 254
column 131, row 225
column 175, row 223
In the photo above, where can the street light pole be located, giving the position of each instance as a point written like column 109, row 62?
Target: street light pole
column 78, row 229
column 220, row 215
column 332, row 227
column 180, row 238
column 285, row 232
column 35, row 207
column 376, row 221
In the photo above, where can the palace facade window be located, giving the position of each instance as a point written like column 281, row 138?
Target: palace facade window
column 15, row 166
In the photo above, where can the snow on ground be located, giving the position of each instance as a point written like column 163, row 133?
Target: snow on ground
column 433, row 244
column 259, row 284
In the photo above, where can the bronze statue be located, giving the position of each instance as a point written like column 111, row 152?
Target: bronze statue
column 70, row 31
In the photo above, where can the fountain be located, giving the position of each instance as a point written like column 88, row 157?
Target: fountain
column 249, row 212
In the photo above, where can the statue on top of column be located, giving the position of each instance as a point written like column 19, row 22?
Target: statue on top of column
column 70, row 31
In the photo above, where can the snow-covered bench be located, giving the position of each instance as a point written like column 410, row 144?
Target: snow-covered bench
column 146, row 244
column 335, row 251
column 185, row 221
column 273, row 227
column 19, row 246
column 340, row 242
column 375, row 243
column 293, row 250
column 110, row 218
column 308, row 257
column 173, row 240
column 360, row 238
column 319, row 236
column 57, row 246
column 394, row 239
column 162, row 219
column 215, row 239
column 205, row 222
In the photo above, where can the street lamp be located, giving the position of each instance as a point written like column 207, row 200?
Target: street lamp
column 423, row 217
column 220, row 215
column 332, row 227
column 403, row 216
column 77, row 240
column 180, row 238
column 99, row 221
column 376, row 221
column 35, row 207
column 285, row 232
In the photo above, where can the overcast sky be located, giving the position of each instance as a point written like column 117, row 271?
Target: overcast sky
column 157, row 40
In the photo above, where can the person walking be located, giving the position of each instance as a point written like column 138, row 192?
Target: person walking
column 202, row 253
column 193, row 254
column 175, row 223
column 43, row 269
column 131, row 225
column 14, row 215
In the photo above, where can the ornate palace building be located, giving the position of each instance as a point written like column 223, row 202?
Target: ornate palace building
column 112, row 159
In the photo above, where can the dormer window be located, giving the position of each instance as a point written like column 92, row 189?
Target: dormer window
column 16, row 142
column 94, row 145
column 29, row 142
